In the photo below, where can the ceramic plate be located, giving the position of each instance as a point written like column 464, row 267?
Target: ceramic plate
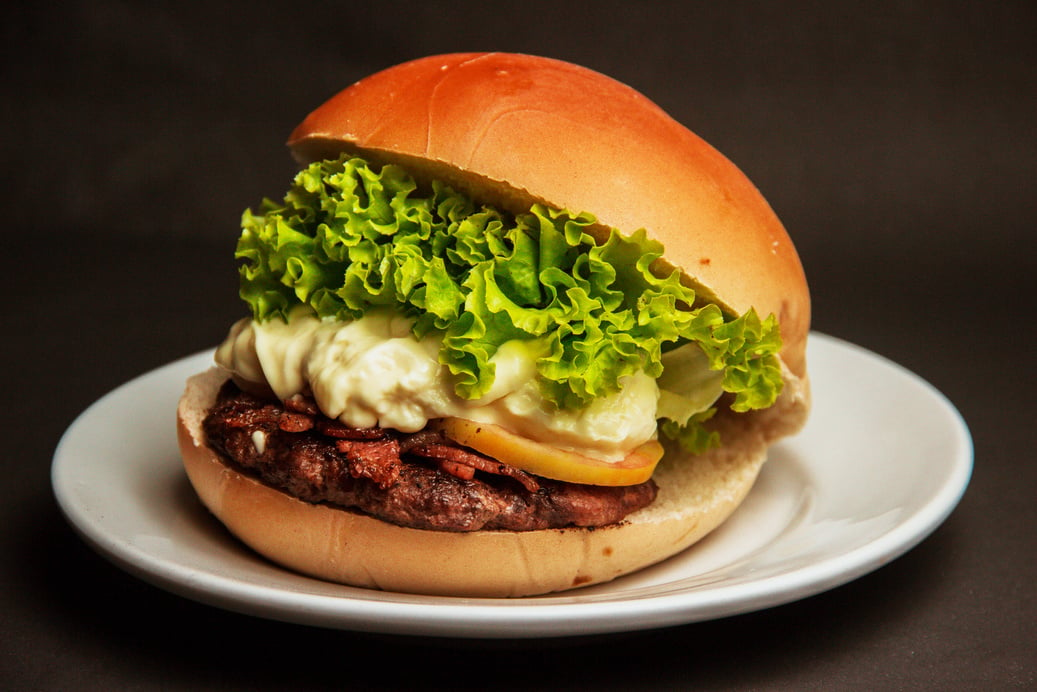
column 863, row 483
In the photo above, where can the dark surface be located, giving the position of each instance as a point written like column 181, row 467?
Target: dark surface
column 897, row 145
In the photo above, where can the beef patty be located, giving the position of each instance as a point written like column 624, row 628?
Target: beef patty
column 421, row 480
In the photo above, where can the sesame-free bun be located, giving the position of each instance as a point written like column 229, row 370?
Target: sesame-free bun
column 515, row 129
column 348, row 547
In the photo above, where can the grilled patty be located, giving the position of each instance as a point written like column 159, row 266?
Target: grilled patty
column 420, row 480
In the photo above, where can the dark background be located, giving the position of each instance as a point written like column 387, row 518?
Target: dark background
column 896, row 141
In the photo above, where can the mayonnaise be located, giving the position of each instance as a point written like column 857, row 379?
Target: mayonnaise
column 374, row 372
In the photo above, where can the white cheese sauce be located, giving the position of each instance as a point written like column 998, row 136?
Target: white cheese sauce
column 374, row 372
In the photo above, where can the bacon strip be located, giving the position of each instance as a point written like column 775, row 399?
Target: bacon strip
column 339, row 430
column 423, row 437
column 456, row 455
column 378, row 460
column 294, row 422
column 461, row 471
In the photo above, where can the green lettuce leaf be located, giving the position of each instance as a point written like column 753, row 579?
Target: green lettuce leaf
column 349, row 237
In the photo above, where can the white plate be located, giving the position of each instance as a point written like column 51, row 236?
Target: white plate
column 881, row 463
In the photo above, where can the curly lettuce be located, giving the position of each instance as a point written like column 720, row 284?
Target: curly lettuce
column 349, row 237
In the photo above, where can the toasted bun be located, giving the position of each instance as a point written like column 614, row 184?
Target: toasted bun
column 345, row 546
column 515, row 129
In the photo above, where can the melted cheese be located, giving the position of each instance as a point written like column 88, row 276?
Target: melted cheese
column 374, row 372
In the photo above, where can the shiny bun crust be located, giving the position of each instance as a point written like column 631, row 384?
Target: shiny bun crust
column 351, row 548
column 515, row 129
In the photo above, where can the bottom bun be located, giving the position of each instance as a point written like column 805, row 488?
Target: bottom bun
column 340, row 545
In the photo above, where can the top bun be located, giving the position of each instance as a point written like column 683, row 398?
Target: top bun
column 516, row 129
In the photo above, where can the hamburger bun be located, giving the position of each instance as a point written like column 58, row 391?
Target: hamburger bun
column 513, row 130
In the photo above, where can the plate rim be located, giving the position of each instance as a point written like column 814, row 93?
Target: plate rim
column 557, row 615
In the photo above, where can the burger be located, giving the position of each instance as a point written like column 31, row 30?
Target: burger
column 512, row 330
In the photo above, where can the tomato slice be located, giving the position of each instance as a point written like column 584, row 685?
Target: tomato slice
column 550, row 462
